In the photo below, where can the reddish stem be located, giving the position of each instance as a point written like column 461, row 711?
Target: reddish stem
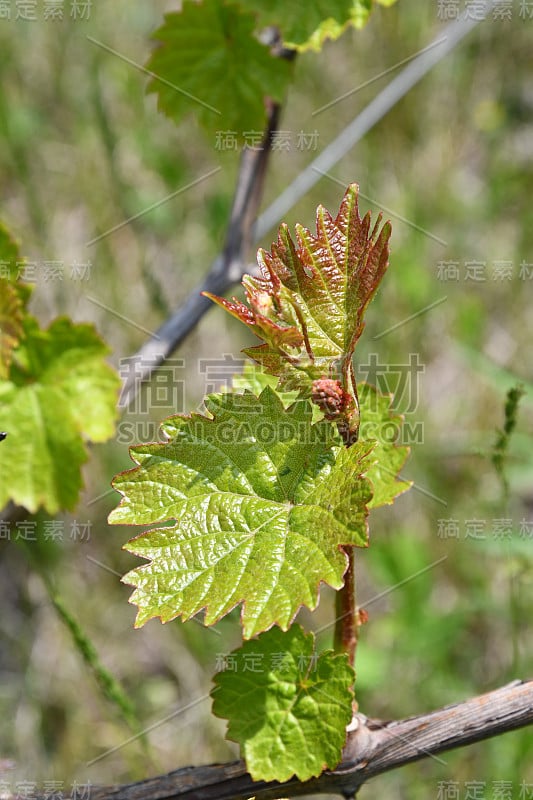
column 347, row 621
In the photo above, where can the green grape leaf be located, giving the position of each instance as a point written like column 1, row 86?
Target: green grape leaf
column 379, row 424
column 309, row 304
column 307, row 24
column 10, row 324
column 209, row 62
column 253, row 379
column 287, row 706
column 260, row 502
column 60, row 393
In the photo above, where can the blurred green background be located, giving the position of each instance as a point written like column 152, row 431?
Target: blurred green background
column 82, row 149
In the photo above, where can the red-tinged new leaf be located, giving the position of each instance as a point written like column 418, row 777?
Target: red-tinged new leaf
column 309, row 302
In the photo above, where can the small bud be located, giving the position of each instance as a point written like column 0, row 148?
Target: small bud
column 329, row 396
column 262, row 303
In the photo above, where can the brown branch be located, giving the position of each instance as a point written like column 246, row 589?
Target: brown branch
column 227, row 269
column 221, row 278
column 230, row 266
column 372, row 748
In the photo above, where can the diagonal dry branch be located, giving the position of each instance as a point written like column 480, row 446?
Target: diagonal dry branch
column 372, row 748
column 229, row 267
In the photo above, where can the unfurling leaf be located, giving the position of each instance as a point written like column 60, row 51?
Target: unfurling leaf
column 261, row 501
column 309, row 303
column 287, row 706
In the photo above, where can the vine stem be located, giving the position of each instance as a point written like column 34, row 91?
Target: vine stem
column 347, row 621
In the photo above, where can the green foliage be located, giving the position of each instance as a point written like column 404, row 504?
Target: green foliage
column 253, row 379
column 264, row 492
column 261, row 501
column 307, row 25
column 56, row 393
column 203, row 43
column 378, row 423
column 309, row 305
column 207, row 40
column 59, row 394
column 287, row 706
column 501, row 445
column 10, row 324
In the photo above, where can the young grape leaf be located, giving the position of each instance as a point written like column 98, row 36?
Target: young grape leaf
column 253, row 379
column 287, row 706
column 377, row 423
column 307, row 25
column 209, row 62
column 261, row 501
column 309, row 304
column 59, row 393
